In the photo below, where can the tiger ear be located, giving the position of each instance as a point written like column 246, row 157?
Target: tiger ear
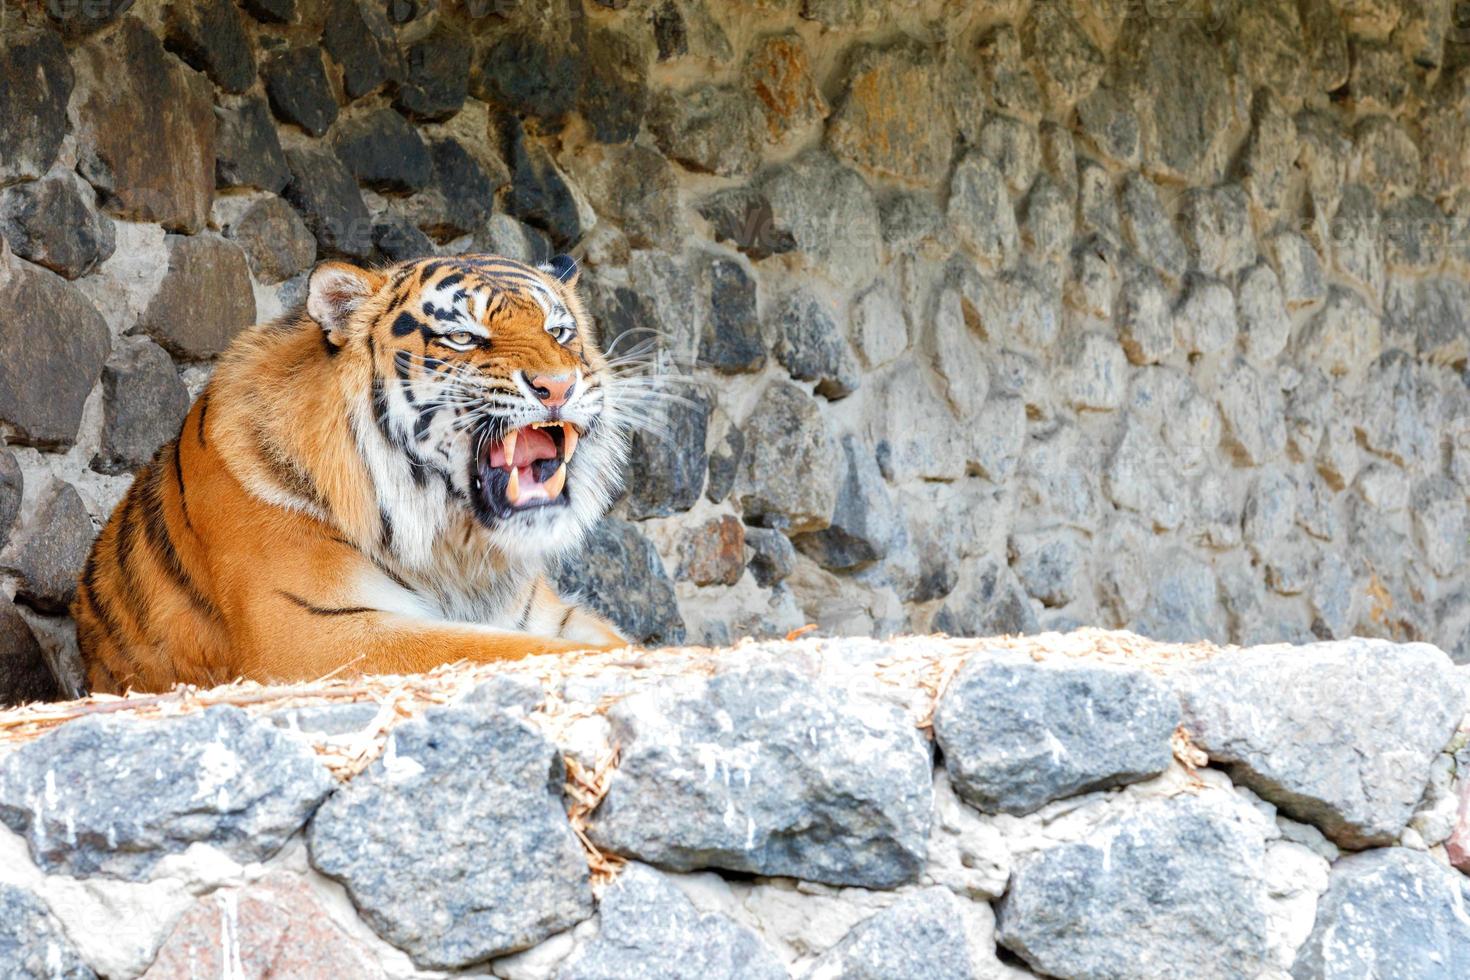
column 564, row 269
column 335, row 291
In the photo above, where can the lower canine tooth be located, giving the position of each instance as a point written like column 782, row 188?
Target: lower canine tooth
column 557, row 481
column 513, row 488
column 570, row 441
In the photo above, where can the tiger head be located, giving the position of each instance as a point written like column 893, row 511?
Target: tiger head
column 483, row 398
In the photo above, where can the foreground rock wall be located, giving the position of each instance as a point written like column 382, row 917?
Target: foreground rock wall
column 1005, row 316
column 921, row 808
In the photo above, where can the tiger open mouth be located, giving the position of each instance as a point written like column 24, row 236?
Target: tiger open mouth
column 527, row 467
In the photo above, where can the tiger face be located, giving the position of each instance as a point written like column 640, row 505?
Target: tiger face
column 483, row 399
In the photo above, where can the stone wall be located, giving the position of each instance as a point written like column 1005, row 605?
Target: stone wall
column 896, row 810
column 999, row 316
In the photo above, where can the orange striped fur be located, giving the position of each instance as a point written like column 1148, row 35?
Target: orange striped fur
column 333, row 500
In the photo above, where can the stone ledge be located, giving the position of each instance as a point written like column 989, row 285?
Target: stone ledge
column 921, row 806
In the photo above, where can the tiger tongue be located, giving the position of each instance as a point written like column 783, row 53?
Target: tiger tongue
column 528, row 445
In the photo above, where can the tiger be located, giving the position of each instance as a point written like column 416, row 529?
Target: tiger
column 374, row 483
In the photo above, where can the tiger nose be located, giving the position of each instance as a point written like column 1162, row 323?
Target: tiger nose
column 553, row 389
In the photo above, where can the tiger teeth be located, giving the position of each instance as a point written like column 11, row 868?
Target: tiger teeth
column 510, row 448
column 513, row 488
column 557, row 481
column 570, row 438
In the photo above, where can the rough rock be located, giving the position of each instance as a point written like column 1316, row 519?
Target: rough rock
column 52, row 346
column 463, row 189
column 299, row 92
column 529, row 878
column 830, row 214
column 114, row 796
column 810, row 345
column 326, row 196
column 1393, row 906
column 713, row 553
column 1017, row 733
column 1217, row 230
column 1172, row 888
column 1069, row 64
column 1204, row 320
column 383, row 151
column 38, row 81
column 24, row 674
column 54, row 222
column 204, row 300
column 276, row 242
column 1340, row 735
column 210, row 36
column 787, row 433
column 991, row 603
column 620, row 575
column 613, row 96
column 1145, row 325
column 1264, row 326
column 772, row 557
column 529, row 74
column 149, row 166
column 767, row 771
column 32, row 942
column 1149, row 229
column 1251, row 408
column 352, row 42
column 779, row 71
column 144, row 403
column 889, row 119
column 436, row 75
column 275, row 927
column 12, row 487
column 980, row 210
column 635, row 187
column 539, row 194
column 247, row 151
column 864, row 518
column 877, row 327
column 923, row 934
column 672, row 459
column 649, row 929
column 743, row 217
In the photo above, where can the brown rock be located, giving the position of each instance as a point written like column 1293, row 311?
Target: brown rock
column 892, row 120
column 24, row 675
column 274, row 928
column 204, row 300
column 713, row 553
column 779, row 72
column 52, row 345
column 37, row 81
column 144, row 403
column 146, row 129
column 276, row 241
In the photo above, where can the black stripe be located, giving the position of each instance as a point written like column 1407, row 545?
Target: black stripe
column 332, row 349
column 405, row 324
column 398, row 580
column 526, row 613
column 99, row 606
column 155, row 526
column 203, row 407
column 179, row 476
column 316, row 610
column 127, row 539
column 387, row 527
column 450, row 280
column 566, row 618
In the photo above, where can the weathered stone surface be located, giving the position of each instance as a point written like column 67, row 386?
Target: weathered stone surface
column 144, row 404
column 877, row 326
column 1392, row 906
column 1094, row 372
column 53, row 343
column 806, row 780
column 635, row 187
column 790, row 469
column 325, row 194
column 462, row 193
column 1017, row 733
column 1340, row 735
column 614, row 92
column 709, row 128
column 247, row 152
column 114, row 796
column 864, row 518
column 539, row 194
column 436, row 75
column 1145, row 324
column 526, row 73
column 830, row 214
column 890, row 119
column 296, row 84
column 779, row 72
column 352, row 42
column 990, row 603
column 24, row 674
column 527, row 878
column 210, row 36
column 1148, row 228
column 271, row 11
column 54, row 222
column 772, row 557
column 396, row 239
column 1173, row 888
column 275, row 927
column 1183, row 600
column 12, row 485
column 731, row 339
column 38, row 81
column 713, row 553
column 648, row 928
column 1357, row 235
column 1108, row 124
column 1050, row 564
column 1400, row 411
column 980, row 210
column 671, row 460
column 383, row 151
column 149, row 166
column 1251, row 408
column 1204, row 320
column 204, row 300
column 620, row 575
column 810, row 345
column 923, row 934
column 1069, row 64
column 743, row 217
column 1264, row 326
column 32, row 942
column 276, row 242
column 1217, row 230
